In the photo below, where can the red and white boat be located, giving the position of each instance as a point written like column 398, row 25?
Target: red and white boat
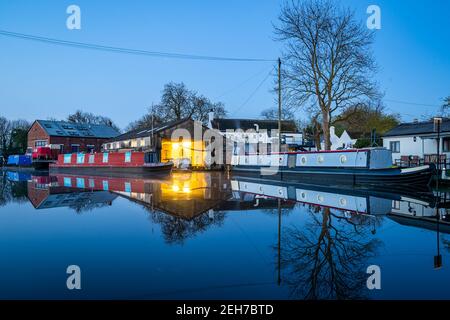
column 113, row 164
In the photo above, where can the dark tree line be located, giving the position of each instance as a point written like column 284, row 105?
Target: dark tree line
column 80, row 116
column 179, row 102
column 13, row 136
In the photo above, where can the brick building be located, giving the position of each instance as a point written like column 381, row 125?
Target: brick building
column 69, row 137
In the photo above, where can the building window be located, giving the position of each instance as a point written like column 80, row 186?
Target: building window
column 75, row 148
column 394, row 146
column 90, row 148
column 446, row 144
column 40, row 143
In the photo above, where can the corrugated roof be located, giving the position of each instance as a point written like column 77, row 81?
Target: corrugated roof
column 417, row 128
column 69, row 129
column 246, row 124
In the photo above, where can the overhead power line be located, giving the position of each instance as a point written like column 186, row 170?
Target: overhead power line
column 412, row 103
column 253, row 93
column 159, row 54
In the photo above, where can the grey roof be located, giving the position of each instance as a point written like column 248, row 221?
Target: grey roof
column 246, row 124
column 146, row 131
column 417, row 128
column 69, row 129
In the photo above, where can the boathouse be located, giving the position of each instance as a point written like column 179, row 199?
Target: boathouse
column 416, row 142
column 69, row 137
column 180, row 142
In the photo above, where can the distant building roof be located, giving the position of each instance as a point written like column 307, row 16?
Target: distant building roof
column 69, row 129
column 417, row 128
column 246, row 124
column 146, row 131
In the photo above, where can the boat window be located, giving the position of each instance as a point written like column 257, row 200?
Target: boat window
column 105, row 157
column 67, row 158
column 80, row 183
column 91, row 158
column 80, row 158
column 127, row 156
column 67, row 182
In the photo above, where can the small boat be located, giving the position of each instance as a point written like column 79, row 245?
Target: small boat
column 112, row 164
column 370, row 166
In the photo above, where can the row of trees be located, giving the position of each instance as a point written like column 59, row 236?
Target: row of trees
column 179, row 102
column 13, row 136
column 80, row 116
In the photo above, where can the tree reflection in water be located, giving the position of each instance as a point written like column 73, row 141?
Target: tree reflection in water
column 177, row 229
column 327, row 257
column 12, row 191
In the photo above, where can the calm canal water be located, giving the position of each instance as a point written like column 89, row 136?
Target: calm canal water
column 206, row 235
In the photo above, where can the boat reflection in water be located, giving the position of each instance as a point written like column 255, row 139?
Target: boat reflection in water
column 183, row 203
column 320, row 239
column 327, row 257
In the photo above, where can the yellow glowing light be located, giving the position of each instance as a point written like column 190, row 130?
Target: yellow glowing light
column 175, row 188
column 175, row 145
column 186, row 190
column 186, row 144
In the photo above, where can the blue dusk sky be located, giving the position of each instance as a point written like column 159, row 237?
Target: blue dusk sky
column 39, row 80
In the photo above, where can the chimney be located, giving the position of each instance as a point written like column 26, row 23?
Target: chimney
column 210, row 119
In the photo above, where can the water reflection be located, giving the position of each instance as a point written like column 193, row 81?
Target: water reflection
column 320, row 239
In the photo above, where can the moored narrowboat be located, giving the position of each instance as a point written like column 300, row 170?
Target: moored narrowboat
column 113, row 164
column 370, row 166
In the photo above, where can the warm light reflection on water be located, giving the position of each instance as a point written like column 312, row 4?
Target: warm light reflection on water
column 207, row 235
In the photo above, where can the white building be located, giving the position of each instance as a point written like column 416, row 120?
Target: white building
column 340, row 142
column 417, row 139
column 250, row 132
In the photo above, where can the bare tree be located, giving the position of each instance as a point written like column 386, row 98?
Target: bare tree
column 328, row 62
column 177, row 103
column 445, row 107
column 272, row 114
column 5, row 135
column 202, row 106
column 325, row 259
column 80, row 116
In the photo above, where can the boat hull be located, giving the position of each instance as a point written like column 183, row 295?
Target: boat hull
column 42, row 164
column 419, row 176
column 116, row 171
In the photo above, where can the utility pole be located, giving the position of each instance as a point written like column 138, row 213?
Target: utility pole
column 437, row 127
column 279, row 104
column 151, row 142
